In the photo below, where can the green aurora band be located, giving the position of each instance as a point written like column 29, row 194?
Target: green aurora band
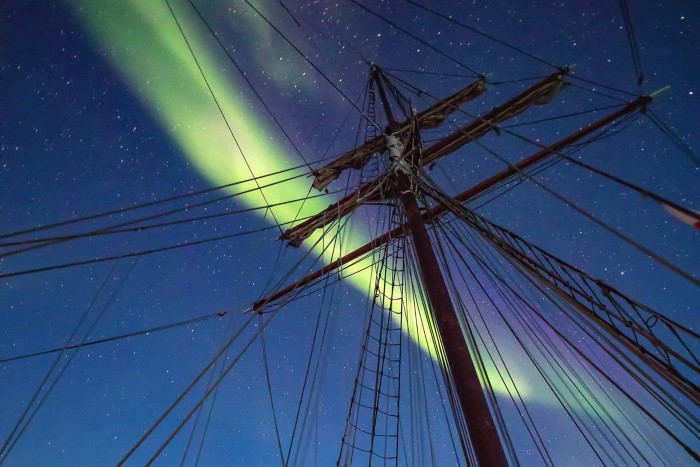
column 144, row 45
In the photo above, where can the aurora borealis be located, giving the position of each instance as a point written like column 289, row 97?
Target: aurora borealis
column 166, row 77
column 104, row 108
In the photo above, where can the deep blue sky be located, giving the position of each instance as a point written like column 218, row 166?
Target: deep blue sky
column 75, row 138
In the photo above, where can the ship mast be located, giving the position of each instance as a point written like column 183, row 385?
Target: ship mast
column 482, row 429
column 401, row 181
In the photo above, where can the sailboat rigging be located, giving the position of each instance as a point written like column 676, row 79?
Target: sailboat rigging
column 427, row 312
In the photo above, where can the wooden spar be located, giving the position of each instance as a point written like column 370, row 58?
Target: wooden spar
column 535, row 95
column 466, row 195
column 639, row 103
column 483, row 433
column 332, row 266
column 539, row 94
column 367, row 191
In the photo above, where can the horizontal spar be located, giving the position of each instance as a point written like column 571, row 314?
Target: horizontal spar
column 539, row 94
column 466, row 195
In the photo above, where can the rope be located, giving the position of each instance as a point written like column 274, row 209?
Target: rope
column 186, row 391
column 7, row 446
column 88, row 343
column 218, row 105
column 134, row 254
column 115, row 229
column 483, row 34
column 674, row 138
column 153, row 203
column 247, row 80
column 266, row 364
column 632, row 39
column 414, row 37
column 308, row 60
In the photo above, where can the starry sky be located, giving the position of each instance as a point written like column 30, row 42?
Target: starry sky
column 103, row 108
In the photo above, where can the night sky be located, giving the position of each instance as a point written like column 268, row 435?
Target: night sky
column 102, row 107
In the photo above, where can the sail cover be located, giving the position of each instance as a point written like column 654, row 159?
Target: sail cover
column 683, row 217
column 540, row 94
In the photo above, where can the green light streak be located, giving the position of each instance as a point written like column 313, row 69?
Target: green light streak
column 145, row 46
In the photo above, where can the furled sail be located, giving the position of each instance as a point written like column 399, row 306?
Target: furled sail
column 427, row 119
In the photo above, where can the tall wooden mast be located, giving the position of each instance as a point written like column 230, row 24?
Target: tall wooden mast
column 470, row 397
column 399, row 142
column 482, row 429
